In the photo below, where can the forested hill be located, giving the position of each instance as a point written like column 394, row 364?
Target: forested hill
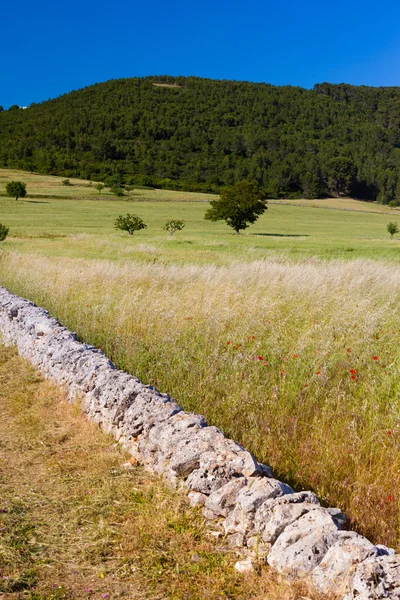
column 200, row 134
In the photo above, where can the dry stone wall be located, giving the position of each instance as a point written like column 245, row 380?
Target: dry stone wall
column 262, row 517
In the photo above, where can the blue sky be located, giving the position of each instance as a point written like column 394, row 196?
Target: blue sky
column 49, row 48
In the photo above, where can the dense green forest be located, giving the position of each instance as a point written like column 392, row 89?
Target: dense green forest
column 199, row 134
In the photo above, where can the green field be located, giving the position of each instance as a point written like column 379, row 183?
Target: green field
column 287, row 336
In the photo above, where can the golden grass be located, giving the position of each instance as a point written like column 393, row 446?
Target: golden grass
column 52, row 186
column 342, row 204
column 299, row 361
column 75, row 524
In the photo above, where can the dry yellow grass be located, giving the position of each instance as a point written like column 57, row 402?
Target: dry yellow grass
column 341, row 204
column 76, row 525
column 298, row 361
column 51, row 186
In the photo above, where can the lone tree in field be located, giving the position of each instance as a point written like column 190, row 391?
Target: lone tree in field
column 16, row 189
column 392, row 229
column 3, row 232
column 129, row 223
column 99, row 187
column 174, row 225
column 239, row 205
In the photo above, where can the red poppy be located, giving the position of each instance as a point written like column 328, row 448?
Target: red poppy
column 390, row 498
column 353, row 371
column 348, row 349
column 318, row 372
column 228, row 343
column 306, row 385
column 389, row 432
column 353, row 377
column 260, row 358
column 375, row 358
column 295, row 356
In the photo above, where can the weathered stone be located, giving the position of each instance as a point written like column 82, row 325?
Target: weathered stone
column 338, row 565
column 196, row 499
column 304, row 543
column 244, row 566
column 236, row 540
column 250, row 497
column 223, row 500
column 376, row 578
column 276, row 514
column 256, row 545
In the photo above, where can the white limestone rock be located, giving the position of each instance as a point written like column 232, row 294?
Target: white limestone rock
column 337, row 567
column 303, row 544
column 377, row 578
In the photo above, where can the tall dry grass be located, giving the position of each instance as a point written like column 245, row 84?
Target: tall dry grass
column 298, row 361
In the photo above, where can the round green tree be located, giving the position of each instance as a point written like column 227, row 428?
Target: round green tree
column 392, row 229
column 16, row 189
column 129, row 223
column 174, row 225
column 99, row 187
column 239, row 205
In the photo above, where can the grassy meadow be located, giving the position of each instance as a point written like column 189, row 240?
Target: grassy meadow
column 286, row 336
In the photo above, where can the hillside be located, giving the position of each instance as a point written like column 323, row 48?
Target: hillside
column 199, row 134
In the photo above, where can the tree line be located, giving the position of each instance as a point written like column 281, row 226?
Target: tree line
column 201, row 135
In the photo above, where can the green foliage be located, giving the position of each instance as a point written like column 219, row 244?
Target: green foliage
column 239, row 205
column 117, row 191
column 174, row 225
column 3, row 232
column 202, row 135
column 16, row 189
column 129, row 223
column 392, row 228
column 66, row 182
column 99, row 187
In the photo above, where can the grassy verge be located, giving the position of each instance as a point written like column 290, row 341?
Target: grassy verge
column 75, row 524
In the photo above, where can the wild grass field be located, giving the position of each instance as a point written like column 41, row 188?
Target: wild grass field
column 287, row 336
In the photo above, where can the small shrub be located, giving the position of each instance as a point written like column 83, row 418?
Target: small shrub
column 392, row 229
column 129, row 223
column 99, row 187
column 16, row 189
column 66, row 182
column 117, row 191
column 3, row 232
column 174, row 225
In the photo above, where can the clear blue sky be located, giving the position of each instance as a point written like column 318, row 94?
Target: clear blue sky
column 49, row 48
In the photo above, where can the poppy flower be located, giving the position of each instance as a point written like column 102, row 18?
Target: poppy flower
column 318, row 372
column 228, row 343
column 348, row 349
column 260, row 358
column 375, row 358
column 389, row 432
column 353, row 377
column 295, row 356
column 390, row 498
column 353, row 371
